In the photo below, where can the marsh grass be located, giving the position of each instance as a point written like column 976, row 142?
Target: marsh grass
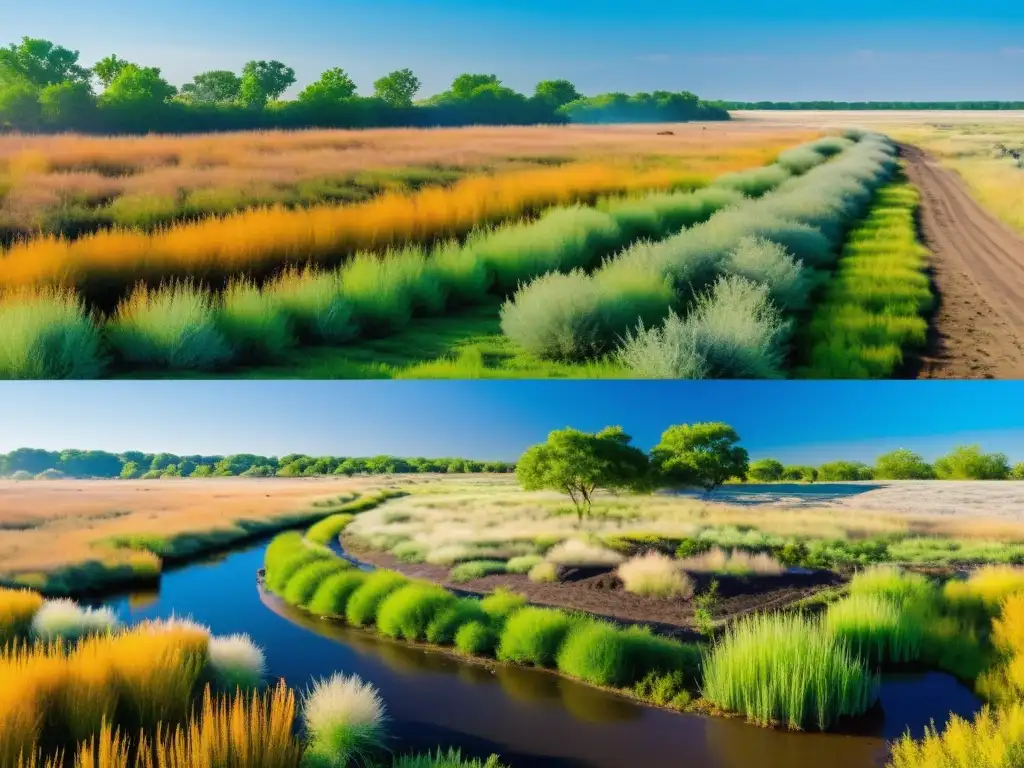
column 446, row 623
column 344, row 718
column 332, row 594
column 533, row 636
column 66, row 619
column 47, row 334
column 994, row 739
column 655, row 575
column 253, row 322
column 173, row 326
column 237, row 662
column 876, row 629
column 327, row 530
column 785, row 669
column 735, row 563
column 303, row 584
column 576, row 553
column 476, row 569
column 451, row 759
column 409, row 611
column 523, row 563
column 502, row 603
column 985, row 589
column 17, row 609
column 314, row 305
column 364, row 603
column 477, row 638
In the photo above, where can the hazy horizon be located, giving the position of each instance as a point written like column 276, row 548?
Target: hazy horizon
column 745, row 51
column 796, row 422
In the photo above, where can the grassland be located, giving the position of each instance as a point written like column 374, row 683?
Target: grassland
column 73, row 536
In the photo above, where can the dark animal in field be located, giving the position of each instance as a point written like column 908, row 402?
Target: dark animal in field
column 666, row 133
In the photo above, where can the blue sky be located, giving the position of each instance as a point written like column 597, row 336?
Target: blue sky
column 794, row 421
column 739, row 49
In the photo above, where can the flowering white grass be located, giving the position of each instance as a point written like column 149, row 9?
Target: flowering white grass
column 575, row 552
column 344, row 718
column 655, row 575
column 64, row 618
column 237, row 662
column 175, row 622
column 736, row 562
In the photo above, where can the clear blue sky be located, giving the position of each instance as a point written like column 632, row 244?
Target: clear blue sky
column 794, row 421
column 743, row 49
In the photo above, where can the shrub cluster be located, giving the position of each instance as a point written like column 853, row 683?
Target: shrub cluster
column 718, row 290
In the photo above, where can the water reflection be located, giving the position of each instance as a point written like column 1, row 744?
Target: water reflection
column 531, row 717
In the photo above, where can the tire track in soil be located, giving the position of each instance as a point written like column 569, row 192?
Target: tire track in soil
column 977, row 269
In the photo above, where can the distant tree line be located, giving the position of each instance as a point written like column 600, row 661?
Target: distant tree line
column 33, row 462
column 43, row 87
column 869, row 105
column 965, row 462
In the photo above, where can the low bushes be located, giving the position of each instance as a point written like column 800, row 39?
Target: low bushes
column 580, row 554
column 699, row 281
column 409, row 611
column 327, row 530
column 303, row 584
column 655, row 575
column 17, row 609
column 533, row 636
column 450, row 619
column 502, row 603
column 784, row 669
column 332, row 594
column 994, row 739
column 47, row 334
column 476, row 569
column 477, row 638
column 603, row 654
column 365, row 601
column 736, row 563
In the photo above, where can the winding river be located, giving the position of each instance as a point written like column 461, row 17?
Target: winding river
column 529, row 717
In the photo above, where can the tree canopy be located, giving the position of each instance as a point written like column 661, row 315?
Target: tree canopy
column 397, row 88
column 218, row 86
column 333, row 85
column 40, row 63
column 704, row 455
column 902, row 464
column 578, row 463
column 967, row 462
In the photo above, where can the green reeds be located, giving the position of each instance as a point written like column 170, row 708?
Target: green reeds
column 47, row 334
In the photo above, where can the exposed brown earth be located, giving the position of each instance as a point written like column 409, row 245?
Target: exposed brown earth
column 603, row 595
column 977, row 330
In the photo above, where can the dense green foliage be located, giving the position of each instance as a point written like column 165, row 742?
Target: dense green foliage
column 578, row 463
column 871, row 105
column 705, row 455
column 135, row 464
column 44, row 88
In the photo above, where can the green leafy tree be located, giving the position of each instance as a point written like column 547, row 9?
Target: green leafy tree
column 705, row 455
column 217, row 86
column 19, row 106
column 967, row 462
column 844, row 470
column 556, row 93
column 68, row 105
column 131, row 471
column 902, row 464
column 138, row 87
column 765, row 470
column 466, row 85
column 264, row 81
column 1018, row 471
column 333, row 85
column 30, row 460
column 109, row 67
column 397, row 88
column 577, row 463
column 40, row 63
column 203, row 470
column 800, row 473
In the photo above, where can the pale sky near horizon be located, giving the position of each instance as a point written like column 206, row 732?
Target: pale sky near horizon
column 794, row 421
column 739, row 50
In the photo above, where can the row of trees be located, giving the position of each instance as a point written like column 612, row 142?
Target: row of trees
column 135, row 464
column 965, row 462
column 44, row 87
column 707, row 455
column 872, row 105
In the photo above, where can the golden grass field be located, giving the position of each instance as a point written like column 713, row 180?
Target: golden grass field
column 47, row 525
column 46, row 173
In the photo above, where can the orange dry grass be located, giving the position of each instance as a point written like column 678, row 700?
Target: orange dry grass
column 17, row 607
column 266, row 239
column 46, row 525
column 147, row 674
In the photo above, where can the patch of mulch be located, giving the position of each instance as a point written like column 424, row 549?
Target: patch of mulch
column 601, row 593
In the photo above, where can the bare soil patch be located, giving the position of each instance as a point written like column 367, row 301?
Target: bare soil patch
column 602, row 594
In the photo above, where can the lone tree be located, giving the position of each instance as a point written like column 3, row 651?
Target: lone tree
column 699, row 454
column 578, row 463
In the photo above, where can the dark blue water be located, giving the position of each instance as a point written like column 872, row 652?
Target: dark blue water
column 530, row 717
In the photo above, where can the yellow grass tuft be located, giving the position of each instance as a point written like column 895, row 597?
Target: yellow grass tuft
column 990, row 585
column 17, row 607
column 989, row 741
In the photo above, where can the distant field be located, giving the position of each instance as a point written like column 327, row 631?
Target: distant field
column 46, row 526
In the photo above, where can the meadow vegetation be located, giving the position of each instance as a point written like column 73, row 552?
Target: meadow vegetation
column 169, row 693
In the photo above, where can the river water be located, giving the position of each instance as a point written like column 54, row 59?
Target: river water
column 530, row 717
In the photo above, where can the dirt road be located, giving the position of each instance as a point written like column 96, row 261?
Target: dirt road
column 978, row 272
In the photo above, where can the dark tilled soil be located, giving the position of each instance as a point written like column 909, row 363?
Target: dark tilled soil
column 602, row 594
column 977, row 269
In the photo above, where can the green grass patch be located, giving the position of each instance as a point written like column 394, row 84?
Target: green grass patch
column 332, row 594
column 447, row 622
column 475, row 569
column 477, row 638
column 876, row 629
column 328, row 529
column 409, row 611
column 364, row 603
column 533, row 636
column 502, row 603
column 48, row 335
column 304, row 582
column 784, row 669
column 874, row 308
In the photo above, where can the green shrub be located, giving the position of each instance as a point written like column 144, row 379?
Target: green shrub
column 386, row 291
column 800, row 159
column 408, row 611
column 756, row 181
column 463, row 277
column 278, row 577
column 785, row 669
column 544, row 572
column 902, row 587
column 327, row 530
column 767, row 263
column 332, row 595
column 173, row 326
column 282, row 546
column 253, row 323
column 410, row 552
column 313, row 303
column 48, row 335
column 522, row 564
column 664, row 689
column 450, row 759
column 502, row 603
column 533, row 636
column 475, row 569
column 304, row 582
column 446, row 623
column 476, row 638
column 876, row 629
column 363, row 604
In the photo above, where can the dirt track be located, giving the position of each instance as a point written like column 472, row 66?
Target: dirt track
column 978, row 273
